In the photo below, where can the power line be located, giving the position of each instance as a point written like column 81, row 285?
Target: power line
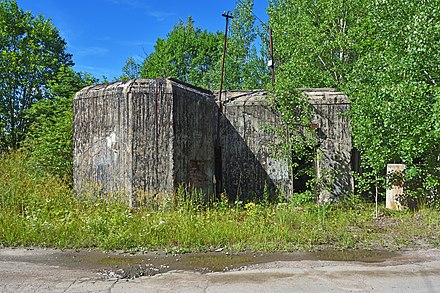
column 252, row 11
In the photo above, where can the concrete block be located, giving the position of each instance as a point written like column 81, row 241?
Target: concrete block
column 395, row 174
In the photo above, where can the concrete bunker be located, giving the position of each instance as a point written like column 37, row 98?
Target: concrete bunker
column 248, row 160
column 144, row 136
column 148, row 136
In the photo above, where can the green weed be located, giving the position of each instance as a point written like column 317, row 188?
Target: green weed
column 39, row 210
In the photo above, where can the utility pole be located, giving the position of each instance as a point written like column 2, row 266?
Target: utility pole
column 227, row 15
column 218, row 149
column 271, row 61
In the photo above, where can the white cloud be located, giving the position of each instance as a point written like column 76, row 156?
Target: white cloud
column 131, row 3
column 125, row 43
column 128, row 43
column 89, row 51
column 98, row 72
column 160, row 15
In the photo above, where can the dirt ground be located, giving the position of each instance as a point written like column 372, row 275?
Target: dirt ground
column 49, row 270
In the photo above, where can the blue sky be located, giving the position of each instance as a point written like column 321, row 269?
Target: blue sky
column 102, row 34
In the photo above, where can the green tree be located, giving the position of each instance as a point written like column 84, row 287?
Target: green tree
column 130, row 70
column 194, row 55
column 313, row 41
column 49, row 139
column 31, row 53
column 385, row 55
column 188, row 54
column 394, row 91
column 245, row 67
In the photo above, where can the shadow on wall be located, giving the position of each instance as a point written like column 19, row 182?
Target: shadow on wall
column 244, row 176
column 249, row 168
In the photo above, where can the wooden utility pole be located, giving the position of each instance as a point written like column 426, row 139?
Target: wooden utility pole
column 227, row 15
column 218, row 149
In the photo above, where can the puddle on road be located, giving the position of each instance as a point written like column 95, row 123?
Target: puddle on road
column 367, row 256
column 130, row 266
column 126, row 266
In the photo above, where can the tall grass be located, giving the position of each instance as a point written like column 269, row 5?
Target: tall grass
column 39, row 210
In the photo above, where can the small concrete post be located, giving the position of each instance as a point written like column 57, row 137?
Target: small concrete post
column 396, row 188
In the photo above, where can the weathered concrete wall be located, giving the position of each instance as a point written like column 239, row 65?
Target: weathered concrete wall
column 333, row 162
column 247, row 147
column 143, row 137
column 102, row 138
column 195, row 120
column 153, row 135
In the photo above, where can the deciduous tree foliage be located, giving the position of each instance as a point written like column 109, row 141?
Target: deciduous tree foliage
column 314, row 44
column 194, row 55
column 245, row 68
column 395, row 93
column 49, row 138
column 130, row 70
column 188, row 54
column 313, row 48
column 386, row 55
column 31, row 53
